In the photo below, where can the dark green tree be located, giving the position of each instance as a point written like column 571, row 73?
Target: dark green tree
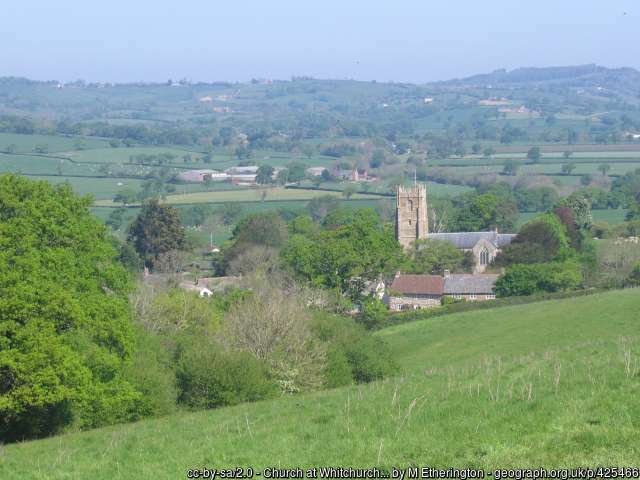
column 264, row 175
column 156, row 230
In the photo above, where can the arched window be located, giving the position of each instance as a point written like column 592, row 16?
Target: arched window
column 411, row 205
column 484, row 257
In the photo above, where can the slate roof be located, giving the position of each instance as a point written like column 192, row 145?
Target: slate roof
column 465, row 283
column 468, row 240
column 418, row 284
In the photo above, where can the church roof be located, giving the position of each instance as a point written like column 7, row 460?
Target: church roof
column 468, row 240
column 418, row 284
column 465, row 283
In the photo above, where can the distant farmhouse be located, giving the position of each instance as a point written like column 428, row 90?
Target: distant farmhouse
column 410, row 292
column 412, row 224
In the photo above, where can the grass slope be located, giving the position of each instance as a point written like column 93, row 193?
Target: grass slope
column 553, row 383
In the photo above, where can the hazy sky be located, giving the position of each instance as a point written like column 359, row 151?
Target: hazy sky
column 400, row 40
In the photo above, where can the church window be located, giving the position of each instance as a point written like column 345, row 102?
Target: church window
column 484, row 257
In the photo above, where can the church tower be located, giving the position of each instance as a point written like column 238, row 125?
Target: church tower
column 411, row 214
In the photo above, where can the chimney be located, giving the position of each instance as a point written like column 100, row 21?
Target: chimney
column 447, row 274
column 397, row 274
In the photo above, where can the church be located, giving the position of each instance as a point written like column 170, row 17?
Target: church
column 412, row 223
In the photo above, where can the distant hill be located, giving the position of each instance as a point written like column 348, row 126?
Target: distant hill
column 553, row 383
column 579, row 75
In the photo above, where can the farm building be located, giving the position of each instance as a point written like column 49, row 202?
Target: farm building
column 315, row 171
column 411, row 292
column 198, row 176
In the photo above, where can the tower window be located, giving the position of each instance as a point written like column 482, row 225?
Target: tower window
column 411, row 205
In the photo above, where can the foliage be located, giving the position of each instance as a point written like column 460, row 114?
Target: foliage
column 373, row 313
column 436, row 256
column 353, row 244
column 634, row 276
column 273, row 326
column 212, row 377
column 157, row 229
column 354, row 355
column 540, row 240
column 485, row 212
column 64, row 321
column 536, row 278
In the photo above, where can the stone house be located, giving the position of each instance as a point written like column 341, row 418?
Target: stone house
column 410, row 292
column 472, row 288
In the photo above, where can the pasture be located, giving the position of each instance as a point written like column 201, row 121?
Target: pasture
column 552, row 383
column 249, row 195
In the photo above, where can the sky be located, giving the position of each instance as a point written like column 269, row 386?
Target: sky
column 386, row 40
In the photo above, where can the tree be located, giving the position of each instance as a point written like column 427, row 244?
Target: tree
column 353, row 244
column 65, row 330
column 586, row 179
column 567, row 168
column 436, row 256
column 604, row 168
column 348, row 191
column 510, row 168
column 157, row 229
column 319, row 207
column 264, row 175
column 125, row 197
column 476, row 148
column 540, row 240
column 297, row 172
column 539, row 278
column 534, row 154
column 488, row 152
column 567, row 154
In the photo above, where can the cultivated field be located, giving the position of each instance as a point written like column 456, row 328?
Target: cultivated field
column 553, row 383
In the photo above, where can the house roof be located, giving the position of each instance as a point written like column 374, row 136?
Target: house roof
column 418, row 284
column 465, row 283
column 468, row 240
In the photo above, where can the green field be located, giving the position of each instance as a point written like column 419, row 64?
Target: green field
column 53, row 143
column 249, row 195
column 553, row 383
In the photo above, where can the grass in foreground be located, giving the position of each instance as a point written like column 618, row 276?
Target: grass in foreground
column 554, row 383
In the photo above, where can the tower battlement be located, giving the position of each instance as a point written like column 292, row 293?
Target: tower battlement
column 411, row 214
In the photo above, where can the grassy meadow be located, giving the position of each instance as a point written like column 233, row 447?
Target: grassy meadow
column 553, row 383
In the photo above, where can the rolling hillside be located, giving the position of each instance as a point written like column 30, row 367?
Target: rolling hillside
column 554, row 383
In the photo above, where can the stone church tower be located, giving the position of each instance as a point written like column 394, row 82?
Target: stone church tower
column 411, row 214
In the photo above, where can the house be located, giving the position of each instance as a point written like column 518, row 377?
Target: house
column 484, row 246
column 473, row 288
column 410, row 292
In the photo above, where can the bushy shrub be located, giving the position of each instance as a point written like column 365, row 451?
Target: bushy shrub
column 367, row 357
column 536, row 278
column 151, row 372
column 370, row 359
column 211, row 377
column 634, row 276
column 373, row 313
